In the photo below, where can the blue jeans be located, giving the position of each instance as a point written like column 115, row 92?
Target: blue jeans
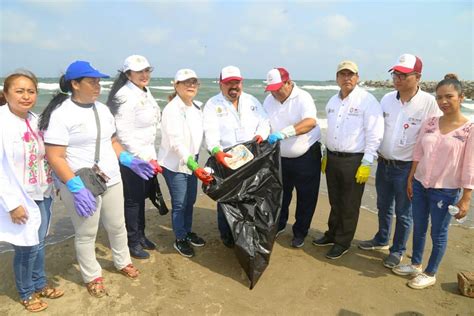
column 28, row 261
column 183, row 191
column 431, row 203
column 391, row 186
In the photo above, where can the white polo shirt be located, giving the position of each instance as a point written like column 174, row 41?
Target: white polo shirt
column 74, row 126
column 403, row 122
column 137, row 121
column 298, row 106
column 355, row 124
column 181, row 134
column 224, row 126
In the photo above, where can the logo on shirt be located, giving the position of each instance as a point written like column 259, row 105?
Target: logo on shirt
column 331, row 111
column 414, row 120
column 220, row 111
column 355, row 111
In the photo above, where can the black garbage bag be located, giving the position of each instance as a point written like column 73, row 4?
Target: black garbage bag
column 156, row 197
column 251, row 198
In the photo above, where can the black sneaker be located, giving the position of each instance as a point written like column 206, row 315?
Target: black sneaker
column 137, row 252
column 323, row 241
column 147, row 243
column 195, row 240
column 297, row 242
column 183, row 247
column 336, row 252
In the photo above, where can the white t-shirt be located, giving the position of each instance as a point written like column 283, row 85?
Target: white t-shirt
column 298, row 106
column 403, row 122
column 74, row 126
column 181, row 134
column 224, row 126
column 137, row 121
column 355, row 124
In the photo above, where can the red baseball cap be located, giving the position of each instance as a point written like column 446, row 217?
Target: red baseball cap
column 276, row 78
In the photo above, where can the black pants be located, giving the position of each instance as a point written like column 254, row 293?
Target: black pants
column 304, row 174
column 135, row 191
column 345, row 196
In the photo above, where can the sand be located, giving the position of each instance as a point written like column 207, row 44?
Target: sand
column 297, row 281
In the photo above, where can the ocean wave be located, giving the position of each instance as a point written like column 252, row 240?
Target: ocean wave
column 106, row 83
column 469, row 106
column 48, row 86
column 311, row 87
column 167, row 88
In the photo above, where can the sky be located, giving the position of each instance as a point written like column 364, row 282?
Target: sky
column 309, row 38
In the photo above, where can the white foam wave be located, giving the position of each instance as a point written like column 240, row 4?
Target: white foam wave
column 311, row 87
column 48, row 86
column 469, row 106
column 167, row 88
column 106, row 83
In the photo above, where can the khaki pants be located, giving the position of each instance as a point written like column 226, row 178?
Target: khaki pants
column 110, row 212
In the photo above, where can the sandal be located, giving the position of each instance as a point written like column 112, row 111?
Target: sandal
column 50, row 292
column 34, row 304
column 130, row 271
column 96, row 287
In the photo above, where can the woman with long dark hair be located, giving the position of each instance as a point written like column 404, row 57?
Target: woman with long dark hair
column 77, row 128
column 25, row 189
column 137, row 118
column 443, row 164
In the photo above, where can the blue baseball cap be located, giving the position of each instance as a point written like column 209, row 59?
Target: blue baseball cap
column 80, row 68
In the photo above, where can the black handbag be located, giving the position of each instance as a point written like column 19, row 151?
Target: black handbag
column 94, row 179
column 156, row 197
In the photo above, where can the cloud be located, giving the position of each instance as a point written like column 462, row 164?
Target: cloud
column 154, row 35
column 17, row 28
column 58, row 7
column 337, row 26
column 258, row 27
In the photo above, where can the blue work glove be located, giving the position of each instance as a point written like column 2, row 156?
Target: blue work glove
column 84, row 201
column 274, row 137
column 141, row 168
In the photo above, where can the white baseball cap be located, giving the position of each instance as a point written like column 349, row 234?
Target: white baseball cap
column 184, row 74
column 407, row 63
column 230, row 73
column 135, row 63
column 276, row 78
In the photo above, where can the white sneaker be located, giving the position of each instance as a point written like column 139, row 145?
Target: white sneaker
column 407, row 269
column 421, row 281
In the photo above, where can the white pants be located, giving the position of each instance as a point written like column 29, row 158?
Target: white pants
column 110, row 212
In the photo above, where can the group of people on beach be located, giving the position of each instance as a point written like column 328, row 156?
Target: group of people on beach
column 103, row 161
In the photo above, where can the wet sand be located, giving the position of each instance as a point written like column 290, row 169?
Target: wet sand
column 297, row 281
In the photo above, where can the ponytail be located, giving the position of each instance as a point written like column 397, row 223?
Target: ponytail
column 64, row 88
column 113, row 102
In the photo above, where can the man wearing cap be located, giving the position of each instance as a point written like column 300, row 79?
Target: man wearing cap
column 230, row 118
column 292, row 114
column 355, row 130
column 404, row 111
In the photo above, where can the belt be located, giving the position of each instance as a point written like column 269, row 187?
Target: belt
column 393, row 162
column 342, row 154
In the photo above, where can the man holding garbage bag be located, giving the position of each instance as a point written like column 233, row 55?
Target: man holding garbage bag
column 232, row 117
column 292, row 115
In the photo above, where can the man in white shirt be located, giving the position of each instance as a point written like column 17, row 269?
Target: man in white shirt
column 355, row 130
column 404, row 111
column 230, row 118
column 292, row 114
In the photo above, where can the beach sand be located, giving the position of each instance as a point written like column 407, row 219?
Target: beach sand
column 297, row 281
